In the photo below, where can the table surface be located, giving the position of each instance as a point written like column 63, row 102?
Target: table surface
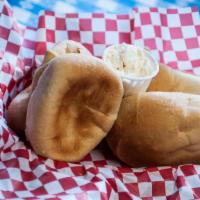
column 26, row 11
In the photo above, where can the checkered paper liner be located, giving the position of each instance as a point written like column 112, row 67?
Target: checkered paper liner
column 172, row 35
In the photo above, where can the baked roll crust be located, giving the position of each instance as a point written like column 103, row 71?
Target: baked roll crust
column 73, row 106
column 157, row 128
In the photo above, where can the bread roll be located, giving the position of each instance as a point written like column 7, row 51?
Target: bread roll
column 65, row 47
column 157, row 128
column 16, row 113
column 73, row 106
column 170, row 80
column 60, row 48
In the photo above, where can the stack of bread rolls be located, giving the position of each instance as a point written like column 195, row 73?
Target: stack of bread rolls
column 75, row 100
column 71, row 105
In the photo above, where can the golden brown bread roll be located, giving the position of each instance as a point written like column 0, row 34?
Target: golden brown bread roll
column 73, row 106
column 16, row 113
column 157, row 128
column 170, row 80
column 65, row 47
column 60, row 48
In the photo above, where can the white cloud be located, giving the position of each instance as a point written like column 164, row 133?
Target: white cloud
column 62, row 7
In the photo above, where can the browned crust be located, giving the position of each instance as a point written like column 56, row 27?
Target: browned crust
column 157, row 128
column 73, row 106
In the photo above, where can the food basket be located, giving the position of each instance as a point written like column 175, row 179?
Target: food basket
column 172, row 35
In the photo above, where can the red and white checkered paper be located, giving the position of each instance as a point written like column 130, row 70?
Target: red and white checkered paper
column 173, row 35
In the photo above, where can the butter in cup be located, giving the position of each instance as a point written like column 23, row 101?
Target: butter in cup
column 135, row 65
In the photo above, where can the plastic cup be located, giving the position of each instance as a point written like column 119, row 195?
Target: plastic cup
column 131, row 83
